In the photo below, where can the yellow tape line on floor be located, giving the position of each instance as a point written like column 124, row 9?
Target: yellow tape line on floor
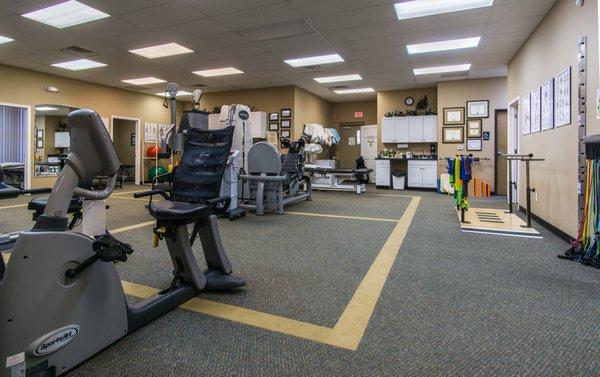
column 14, row 206
column 349, row 329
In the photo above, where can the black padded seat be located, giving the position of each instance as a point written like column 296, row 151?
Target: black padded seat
column 178, row 211
column 39, row 204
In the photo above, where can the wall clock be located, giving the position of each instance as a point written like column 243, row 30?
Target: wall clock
column 409, row 101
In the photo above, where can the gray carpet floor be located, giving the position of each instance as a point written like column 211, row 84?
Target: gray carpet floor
column 454, row 303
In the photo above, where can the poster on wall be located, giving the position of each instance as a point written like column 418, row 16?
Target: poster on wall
column 526, row 112
column 162, row 131
column 548, row 105
column 536, row 111
column 150, row 130
column 562, row 98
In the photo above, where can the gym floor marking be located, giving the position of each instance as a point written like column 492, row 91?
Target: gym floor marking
column 350, row 327
column 14, row 206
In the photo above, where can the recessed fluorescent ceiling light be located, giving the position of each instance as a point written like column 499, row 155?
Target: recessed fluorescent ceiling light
column 5, row 39
column 144, row 81
column 167, row 49
column 314, row 60
column 218, row 72
column 442, row 69
column 422, row 8
column 453, row 44
column 353, row 91
column 45, row 108
column 179, row 94
column 78, row 65
column 327, row 79
column 66, row 14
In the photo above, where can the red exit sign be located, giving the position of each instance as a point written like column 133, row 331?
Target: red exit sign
column 359, row 114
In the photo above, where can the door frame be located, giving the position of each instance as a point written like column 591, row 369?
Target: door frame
column 28, row 164
column 513, row 145
column 496, row 145
column 374, row 127
column 138, row 155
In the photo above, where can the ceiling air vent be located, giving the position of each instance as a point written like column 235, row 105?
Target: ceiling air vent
column 313, row 68
column 455, row 74
column 136, row 88
column 339, row 87
column 78, row 51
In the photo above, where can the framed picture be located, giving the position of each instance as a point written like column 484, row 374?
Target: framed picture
column 562, row 98
column 474, row 128
column 273, row 126
column 453, row 135
column 536, row 110
column 474, row 145
column 478, row 109
column 548, row 105
column 286, row 113
column 286, row 123
column 526, row 113
column 39, row 144
column 39, row 134
column 486, row 135
column 285, row 133
column 132, row 141
column 273, row 116
column 454, row 116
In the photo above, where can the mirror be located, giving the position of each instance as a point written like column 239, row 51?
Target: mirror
column 51, row 139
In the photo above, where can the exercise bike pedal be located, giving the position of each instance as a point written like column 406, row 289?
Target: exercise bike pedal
column 217, row 281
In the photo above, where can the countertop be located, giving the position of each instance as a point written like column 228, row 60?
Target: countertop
column 406, row 159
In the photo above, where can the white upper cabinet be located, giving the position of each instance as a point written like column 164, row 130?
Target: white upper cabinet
column 430, row 128
column 388, row 130
column 415, row 129
column 401, row 129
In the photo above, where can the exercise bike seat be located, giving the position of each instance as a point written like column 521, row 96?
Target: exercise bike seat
column 39, row 204
column 178, row 211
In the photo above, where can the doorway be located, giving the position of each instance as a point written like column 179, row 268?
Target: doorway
column 349, row 145
column 15, row 152
column 513, row 145
column 124, row 133
column 501, row 140
column 368, row 148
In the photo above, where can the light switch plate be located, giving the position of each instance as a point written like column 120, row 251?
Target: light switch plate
column 461, row 147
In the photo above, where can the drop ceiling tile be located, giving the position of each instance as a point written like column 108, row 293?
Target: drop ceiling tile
column 224, row 40
column 361, row 32
column 255, row 17
column 51, row 40
column 162, row 15
column 353, row 18
column 521, row 24
column 25, row 6
column 384, row 42
column 105, row 28
column 277, row 31
column 117, row 7
column 519, row 9
column 310, row 8
column 218, row 7
column 17, row 27
column 445, row 21
column 301, row 42
column 198, row 28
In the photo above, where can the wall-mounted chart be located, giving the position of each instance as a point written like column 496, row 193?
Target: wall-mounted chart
column 536, row 110
column 548, row 105
column 562, row 98
column 526, row 112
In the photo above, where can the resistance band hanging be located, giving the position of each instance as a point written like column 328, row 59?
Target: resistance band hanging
column 460, row 171
column 586, row 248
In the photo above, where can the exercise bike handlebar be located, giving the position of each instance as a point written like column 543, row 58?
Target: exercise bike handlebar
column 152, row 192
column 97, row 195
column 10, row 194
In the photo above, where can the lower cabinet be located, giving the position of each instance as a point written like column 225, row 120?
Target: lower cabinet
column 382, row 173
column 422, row 174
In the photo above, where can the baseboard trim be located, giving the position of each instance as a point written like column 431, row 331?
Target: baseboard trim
column 549, row 226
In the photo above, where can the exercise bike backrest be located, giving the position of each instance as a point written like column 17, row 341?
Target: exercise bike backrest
column 264, row 157
column 92, row 154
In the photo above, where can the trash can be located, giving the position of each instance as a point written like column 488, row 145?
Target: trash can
column 398, row 179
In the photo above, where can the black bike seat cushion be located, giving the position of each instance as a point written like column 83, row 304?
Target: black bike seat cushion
column 178, row 211
column 39, row 204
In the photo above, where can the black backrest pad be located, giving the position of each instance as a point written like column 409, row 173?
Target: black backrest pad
column 198, row 177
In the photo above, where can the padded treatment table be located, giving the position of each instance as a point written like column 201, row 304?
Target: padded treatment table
column 333, row 179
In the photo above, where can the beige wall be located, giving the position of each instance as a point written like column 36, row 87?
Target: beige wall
column 344, row 111
column 309, row 108
column 25, row 87
column 122, row 130
column 394, row 100
column 456, row 94
column 551, row 48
